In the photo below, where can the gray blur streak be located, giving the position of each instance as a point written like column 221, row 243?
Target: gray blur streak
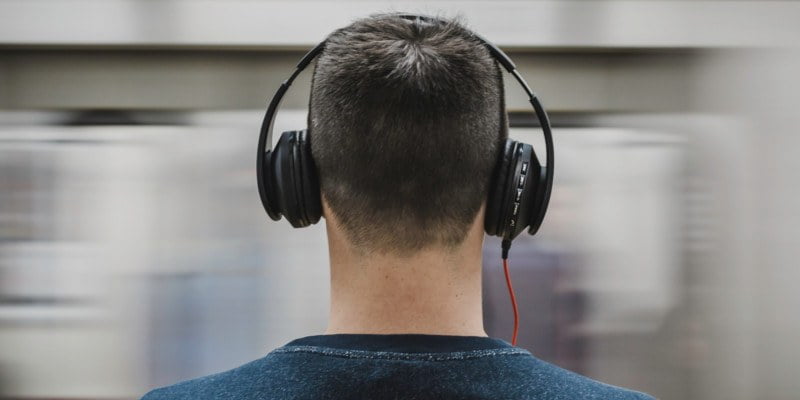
column 285, row 23
column 134, row 251
column 138, row 255
column 752, row 297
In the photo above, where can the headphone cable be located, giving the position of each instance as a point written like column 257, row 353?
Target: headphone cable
column 506, row 246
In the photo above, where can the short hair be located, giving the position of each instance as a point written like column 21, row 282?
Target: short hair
column 407, row 118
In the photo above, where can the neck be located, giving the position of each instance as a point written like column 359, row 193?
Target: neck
column 435, row 291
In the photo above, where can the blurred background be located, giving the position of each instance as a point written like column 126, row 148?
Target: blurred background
column 134, row 251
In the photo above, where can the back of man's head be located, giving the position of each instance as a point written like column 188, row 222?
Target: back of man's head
column 406, row 120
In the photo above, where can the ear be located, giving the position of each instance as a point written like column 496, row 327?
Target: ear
column 325, row 207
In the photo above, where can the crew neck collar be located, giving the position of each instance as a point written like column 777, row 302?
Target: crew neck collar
column 402, row 343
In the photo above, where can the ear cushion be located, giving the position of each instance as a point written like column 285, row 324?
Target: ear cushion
column 541, row 196
column 282, row 176
column 266, row 187
column 498, row 188
column 308, row 180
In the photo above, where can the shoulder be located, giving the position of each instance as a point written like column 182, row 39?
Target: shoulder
column 207, row 387
column 570, row 385
column 224, row 385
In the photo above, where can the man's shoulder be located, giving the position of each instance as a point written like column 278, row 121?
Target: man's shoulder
column 562, row 383
column 207, row 387
column 500, row 375
column 223, row 385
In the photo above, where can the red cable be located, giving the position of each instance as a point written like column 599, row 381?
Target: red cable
column 513, row 302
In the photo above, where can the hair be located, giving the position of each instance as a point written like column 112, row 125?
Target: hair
column 407, row 118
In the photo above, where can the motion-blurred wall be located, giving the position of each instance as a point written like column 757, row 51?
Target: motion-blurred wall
column 134, row 252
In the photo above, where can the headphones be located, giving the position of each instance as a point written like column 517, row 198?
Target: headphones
column 518, row 193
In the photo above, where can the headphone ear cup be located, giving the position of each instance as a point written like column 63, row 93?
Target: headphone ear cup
column 498, row 187
column 295, row 180
column 514, row 197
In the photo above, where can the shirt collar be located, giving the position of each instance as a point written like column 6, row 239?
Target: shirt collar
column 402, row 343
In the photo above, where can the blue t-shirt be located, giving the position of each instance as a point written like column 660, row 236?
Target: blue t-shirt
column 396, row 367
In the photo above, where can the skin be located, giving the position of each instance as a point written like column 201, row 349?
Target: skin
column 436, row 291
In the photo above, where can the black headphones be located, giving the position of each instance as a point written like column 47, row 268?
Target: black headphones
column 518, row 194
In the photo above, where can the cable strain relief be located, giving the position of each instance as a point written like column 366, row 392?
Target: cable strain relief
column 506, row 245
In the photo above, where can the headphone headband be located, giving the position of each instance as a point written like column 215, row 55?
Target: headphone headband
column 265, row 136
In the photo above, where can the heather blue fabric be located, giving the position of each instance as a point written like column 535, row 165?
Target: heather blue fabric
column 396, row 367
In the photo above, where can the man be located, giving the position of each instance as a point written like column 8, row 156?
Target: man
column 406, row 121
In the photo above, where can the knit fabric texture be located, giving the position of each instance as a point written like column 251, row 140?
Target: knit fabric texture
column 396, row 367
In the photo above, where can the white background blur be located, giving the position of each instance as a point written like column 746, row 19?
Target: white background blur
column 134, row 251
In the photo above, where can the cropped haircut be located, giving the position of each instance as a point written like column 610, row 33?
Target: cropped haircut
column 407, row 118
